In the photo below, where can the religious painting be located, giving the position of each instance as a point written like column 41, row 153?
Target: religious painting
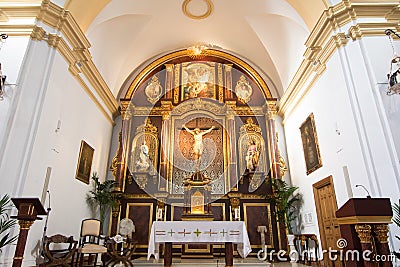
column 243, row 89
column 198, row 80
column 84, row 162
column 310, row 144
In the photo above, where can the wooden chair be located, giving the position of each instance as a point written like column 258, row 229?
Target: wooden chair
column 89, row 243
column 119, row 252
column 55, row 252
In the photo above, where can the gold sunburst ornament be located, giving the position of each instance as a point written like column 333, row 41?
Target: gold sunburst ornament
column 197, row 51
column 188, row 13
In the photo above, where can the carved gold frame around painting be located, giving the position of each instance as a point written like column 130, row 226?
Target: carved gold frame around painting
column 309, row 139
column 85, row 159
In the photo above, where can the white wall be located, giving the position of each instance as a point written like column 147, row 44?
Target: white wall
column 11, row 55
column 81, row 119
column 351, row 132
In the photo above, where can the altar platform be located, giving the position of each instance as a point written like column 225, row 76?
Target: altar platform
column 178, row 262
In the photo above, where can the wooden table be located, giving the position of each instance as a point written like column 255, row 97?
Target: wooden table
column 211, row 232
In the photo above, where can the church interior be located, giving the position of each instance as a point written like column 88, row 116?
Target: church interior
column 199, row 132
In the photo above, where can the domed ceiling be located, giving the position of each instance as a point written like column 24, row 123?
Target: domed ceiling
column 127, row 35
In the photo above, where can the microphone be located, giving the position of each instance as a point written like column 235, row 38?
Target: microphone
column 368, row 195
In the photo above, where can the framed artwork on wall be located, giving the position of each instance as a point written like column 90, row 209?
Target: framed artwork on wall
column 84, row 162
column 310, row 144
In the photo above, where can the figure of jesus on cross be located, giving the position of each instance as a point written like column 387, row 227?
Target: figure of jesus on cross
column 198, row 143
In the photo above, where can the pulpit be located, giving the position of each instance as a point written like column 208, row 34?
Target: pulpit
column 28, row 211
column 364, row 225
column 197, row 198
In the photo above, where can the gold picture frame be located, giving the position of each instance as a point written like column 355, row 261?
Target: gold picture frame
column 309, row 139
column 198, row 80
column 84, row 167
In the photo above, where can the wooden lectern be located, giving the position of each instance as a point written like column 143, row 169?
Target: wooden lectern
column 364, row 224
column 28, row 211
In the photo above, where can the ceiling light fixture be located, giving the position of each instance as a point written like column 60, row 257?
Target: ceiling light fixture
column 2, row 77
column 393, row 76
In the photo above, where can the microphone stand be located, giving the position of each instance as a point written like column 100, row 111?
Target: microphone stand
column 41, row 251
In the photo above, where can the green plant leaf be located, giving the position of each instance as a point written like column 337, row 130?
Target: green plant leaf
column 6, row 224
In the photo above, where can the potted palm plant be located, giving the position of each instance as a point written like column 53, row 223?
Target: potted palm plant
column 287, row 203
column 103, row 197
column 6, row 223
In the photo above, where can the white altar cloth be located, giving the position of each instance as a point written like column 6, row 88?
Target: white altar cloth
column 211, row 232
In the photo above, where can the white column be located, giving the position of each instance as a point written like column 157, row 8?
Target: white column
column 24, row 115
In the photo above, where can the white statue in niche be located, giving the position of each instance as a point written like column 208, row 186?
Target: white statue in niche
column 143, row 163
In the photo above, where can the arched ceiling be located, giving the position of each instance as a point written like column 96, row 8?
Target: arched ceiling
column 268, row 34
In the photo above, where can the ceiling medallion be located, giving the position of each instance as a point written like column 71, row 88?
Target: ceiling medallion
column 189, row 13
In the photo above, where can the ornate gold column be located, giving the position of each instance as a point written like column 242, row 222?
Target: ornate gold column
column 364, row 233
column 272, row 139
column 228, row 81
column 169, row 80
column 232, row 173
column 165, row 138
column 126, row 113
column 382, row 247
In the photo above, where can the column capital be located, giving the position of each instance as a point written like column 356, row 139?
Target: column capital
column 381, row 232
column 126, row 110
column 169, row 67
column 364, row 232
column 166, row 115
column 271, row 109
column 228, row 67
column 25, row 225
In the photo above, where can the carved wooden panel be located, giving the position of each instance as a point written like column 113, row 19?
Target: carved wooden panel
column 218, row 210
column 258, row 214
column 212, row 159
column 142, row 216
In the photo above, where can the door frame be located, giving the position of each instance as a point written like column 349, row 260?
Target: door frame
column 318, row 185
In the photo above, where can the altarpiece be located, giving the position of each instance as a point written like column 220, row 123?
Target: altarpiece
column 198, row 137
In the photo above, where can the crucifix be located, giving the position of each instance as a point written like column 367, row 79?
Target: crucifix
column 198, row 133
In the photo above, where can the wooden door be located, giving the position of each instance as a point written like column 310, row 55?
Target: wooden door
column 325, row 203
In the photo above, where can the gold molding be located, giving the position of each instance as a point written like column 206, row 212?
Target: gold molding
column 183, row 53
column 78, row 57
column 17, row 30
column 365, row 219
column 19, row 11
column 206, row 14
